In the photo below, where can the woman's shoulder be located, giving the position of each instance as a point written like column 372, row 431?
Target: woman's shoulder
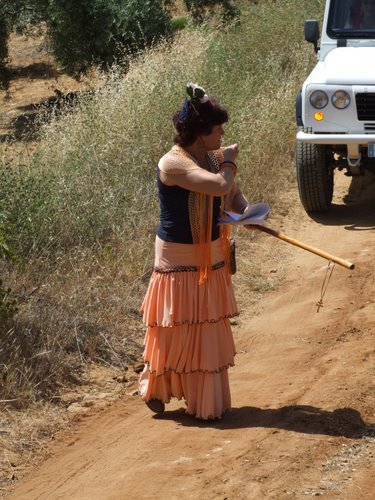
column 177, row 162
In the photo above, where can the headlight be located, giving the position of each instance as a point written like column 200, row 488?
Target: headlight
column 318, row 99
column 341, row 99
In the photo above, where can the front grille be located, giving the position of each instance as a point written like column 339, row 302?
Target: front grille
column 365, row 106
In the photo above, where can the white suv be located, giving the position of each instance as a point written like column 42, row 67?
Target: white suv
column 335, row 111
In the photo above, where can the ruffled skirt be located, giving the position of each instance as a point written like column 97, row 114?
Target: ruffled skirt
column 189, row 343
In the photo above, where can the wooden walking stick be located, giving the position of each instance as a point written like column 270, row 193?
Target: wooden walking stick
column 288, row 239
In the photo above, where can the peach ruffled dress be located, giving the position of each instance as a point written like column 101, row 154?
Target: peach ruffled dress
column 189, row 343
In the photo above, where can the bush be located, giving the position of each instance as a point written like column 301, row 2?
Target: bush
column 99, row 32
column 86, row 33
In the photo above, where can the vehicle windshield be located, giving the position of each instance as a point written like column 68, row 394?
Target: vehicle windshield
column 351, row 19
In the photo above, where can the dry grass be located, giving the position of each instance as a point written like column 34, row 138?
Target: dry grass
column 25, row 435
column 179, row 8
column 23, row 440
column 81, row 210
column 81, row 206
column 81, row 215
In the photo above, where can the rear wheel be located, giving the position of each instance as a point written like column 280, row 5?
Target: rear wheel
column 314, row 176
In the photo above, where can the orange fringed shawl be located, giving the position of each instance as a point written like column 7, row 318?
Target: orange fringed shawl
column 179, row 161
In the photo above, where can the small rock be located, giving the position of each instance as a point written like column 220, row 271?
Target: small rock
column 132, row 393
column 76, row 408
column 70, row 397
column 11, row 458
column 103, row 395
column 87, row 403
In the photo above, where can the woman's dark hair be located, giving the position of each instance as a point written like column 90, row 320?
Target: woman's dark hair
column 197, row 119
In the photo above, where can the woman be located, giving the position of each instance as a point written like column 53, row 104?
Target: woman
column 189, row 344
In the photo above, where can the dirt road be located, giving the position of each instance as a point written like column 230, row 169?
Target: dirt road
column 302, row 391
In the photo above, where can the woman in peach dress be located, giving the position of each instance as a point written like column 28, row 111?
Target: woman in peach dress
column 189, row 343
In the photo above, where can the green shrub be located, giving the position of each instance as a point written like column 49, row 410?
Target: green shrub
column 179, row 23
column 101, row 32
column 89, row 32
column 28, row 206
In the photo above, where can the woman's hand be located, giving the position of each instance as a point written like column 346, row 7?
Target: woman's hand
column 230, row 152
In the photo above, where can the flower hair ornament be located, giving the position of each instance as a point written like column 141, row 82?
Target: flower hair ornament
column 197, row 95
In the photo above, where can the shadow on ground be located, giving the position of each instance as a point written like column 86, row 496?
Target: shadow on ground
column 345, row 422
column 355, row 217
column 27, row 124
column 35, row 71
column 357, row 211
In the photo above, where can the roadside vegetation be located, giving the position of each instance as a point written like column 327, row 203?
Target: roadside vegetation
column 98, row 33
column 78, row 213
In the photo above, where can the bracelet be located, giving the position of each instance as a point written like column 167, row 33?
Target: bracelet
column 231, row 164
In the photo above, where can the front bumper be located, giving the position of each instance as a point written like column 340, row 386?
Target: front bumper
column 349, row 139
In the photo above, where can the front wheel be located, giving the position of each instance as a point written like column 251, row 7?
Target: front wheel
column 314, row 176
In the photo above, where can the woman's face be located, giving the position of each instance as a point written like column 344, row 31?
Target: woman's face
column 212, row 141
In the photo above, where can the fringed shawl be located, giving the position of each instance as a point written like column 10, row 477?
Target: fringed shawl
column 177, row 162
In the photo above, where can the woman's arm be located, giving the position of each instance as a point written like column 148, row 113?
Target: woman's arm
column 235, row 201
column 187, row 174
column 202, row 181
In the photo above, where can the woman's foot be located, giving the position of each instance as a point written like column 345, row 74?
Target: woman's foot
column 155, row 405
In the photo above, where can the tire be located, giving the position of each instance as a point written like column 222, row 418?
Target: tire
column 314, row 176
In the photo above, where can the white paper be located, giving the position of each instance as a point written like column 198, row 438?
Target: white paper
column 254, row 214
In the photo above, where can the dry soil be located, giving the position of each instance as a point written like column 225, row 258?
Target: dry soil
column 303, row 415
